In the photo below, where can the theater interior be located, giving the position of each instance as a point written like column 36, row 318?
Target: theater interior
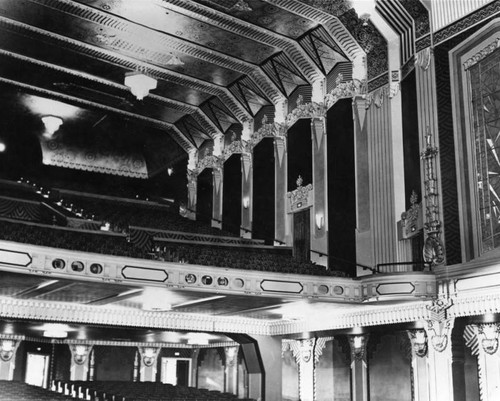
column 268, row 200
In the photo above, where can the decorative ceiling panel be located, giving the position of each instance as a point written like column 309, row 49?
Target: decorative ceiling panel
column 322, row 49
column 158, row 16
column 264, row 15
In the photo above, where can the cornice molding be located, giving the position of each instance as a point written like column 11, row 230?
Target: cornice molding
column 78, row 313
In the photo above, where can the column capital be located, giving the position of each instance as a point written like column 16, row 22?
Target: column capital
column 358, row 344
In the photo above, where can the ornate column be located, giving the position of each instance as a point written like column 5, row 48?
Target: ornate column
column 192, row 184
column 419, row 366
column 148, row 363
column 194, row 367
column 231, row 370
column 282, row 225
column 364, row 248
column 319, row 237
column 439, row 329
column 483, row 339
column 307, row 353
column 359, row 367
column 8, row 349
column 247, row 180
column 218, row 175
column 80, row 361
column 246, row 194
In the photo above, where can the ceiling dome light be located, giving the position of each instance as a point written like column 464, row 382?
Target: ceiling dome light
column 139, row 84
column 52, row 124
column 2, row 147
column 55, row 330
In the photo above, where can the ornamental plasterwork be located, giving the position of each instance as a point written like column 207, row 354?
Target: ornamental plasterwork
column 236, row 146
column 344, row 89
column 51, row 311
column 439, row 333
column 305, row 110
column 476, row 58
column 299, row 197
column 209, row 161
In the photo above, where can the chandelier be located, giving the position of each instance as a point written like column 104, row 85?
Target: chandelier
column 139, row 84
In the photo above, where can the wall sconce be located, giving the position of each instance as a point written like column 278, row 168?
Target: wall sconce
column 7, row 349
column 170, row 171
column 320, row 220
column 52, row 124
column 139, row 84
column 56, row 330
column 246, row 202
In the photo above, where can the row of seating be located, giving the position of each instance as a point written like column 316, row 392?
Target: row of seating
column 124, row 214
column 19, row 391
column 249, row 258
column 262, row 259
column 140, row 391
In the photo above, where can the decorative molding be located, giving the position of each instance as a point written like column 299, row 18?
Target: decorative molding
column 466, row 22
column 423, row 43
column 483, row 53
